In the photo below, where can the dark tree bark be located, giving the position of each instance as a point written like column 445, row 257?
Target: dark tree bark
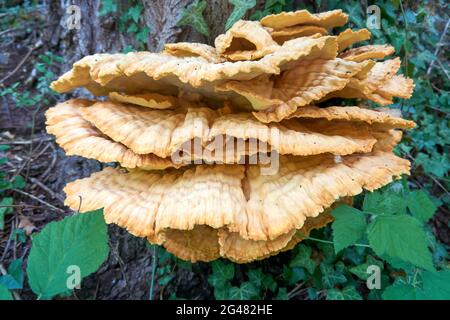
column 126, row 275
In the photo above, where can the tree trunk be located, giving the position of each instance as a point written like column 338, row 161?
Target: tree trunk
column 127, row 272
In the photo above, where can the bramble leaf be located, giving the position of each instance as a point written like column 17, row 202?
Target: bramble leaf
column 421, row 205
column 400, row 236
column 78, row 241
column 348, row 227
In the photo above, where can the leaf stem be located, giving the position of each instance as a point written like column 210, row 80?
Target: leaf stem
column 331, row 242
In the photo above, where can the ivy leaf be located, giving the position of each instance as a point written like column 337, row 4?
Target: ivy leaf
column 348, row 227
column 402, row 237
column 5, row 294
column 361, row 270
column 14, row 278
column 282, row 294
column 303, row 259
column 246, row 291
column 142, row 35
column 421, row 205
column 256, row 277
column 269, row 283
column 239, row 10
column 5, row 208
column 135, row 12
column 331, row 277
column 348, row 293
column 293, row 275
column 108, row 6
column 222, row 273
column 193, row 16
column 80, row 240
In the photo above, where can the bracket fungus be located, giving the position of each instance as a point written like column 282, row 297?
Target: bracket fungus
column 235, row 151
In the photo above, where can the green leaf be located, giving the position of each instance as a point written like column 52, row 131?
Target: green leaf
column 5, row 294
column 222, row 273
column 142, row 35
column 108, row 6
column 399, row 291
column 303, row 259
column 386, row 203
column 361, row 270
column 282, row 294
column 421, row 205
column 14, row 278
column 400, row 237
column 436, row 285
column 135, row 12
column 5, row 208
column 193, row 16
column 239, row 10
column 331, row 277
column 348, row 227
column 256, row 277
column 80, row 240
column 245, row 292
column 348, row 293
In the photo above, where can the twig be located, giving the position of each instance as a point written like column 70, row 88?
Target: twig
column 439, row 184
column 39, row 200
column 14, row 292
column 8, row 243
column 438, row 47
column 19, row 65
column 44, row 175
column 45, row 188
column 31, row 141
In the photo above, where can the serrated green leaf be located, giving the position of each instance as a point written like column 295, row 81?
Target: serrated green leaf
column 5, row 294
column 80, row 240
column 246, row 291
column 402, row 237
column 193, row 16
column 436, row 285
column 14, row 278
column 303, row 259
column 348, row 227
column 399, row 291
column 387, row 203
column 222, row 273
column 421, row 205
column 239, row 10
